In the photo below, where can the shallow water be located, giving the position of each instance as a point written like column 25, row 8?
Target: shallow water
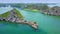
column 46, row 24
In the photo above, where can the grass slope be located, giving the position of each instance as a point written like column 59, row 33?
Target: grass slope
column 5, row 15
column 18, row 14
column 33, row 10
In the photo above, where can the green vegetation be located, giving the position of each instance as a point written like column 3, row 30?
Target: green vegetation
column 44, row 7
column 5, row 15
column 33, row 10
column 35, row 7
column 30, row 6
column 18, row 14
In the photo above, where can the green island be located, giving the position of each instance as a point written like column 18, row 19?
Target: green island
column 44, row 9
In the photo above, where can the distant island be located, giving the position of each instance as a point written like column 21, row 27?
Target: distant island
column 44, row 9
column 54, row 11
column 38, row 7
column 15, row 16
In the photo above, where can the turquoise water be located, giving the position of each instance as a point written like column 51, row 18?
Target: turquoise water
column 46, row 24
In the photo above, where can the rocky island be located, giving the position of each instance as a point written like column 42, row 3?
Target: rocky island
column 55, row 10
column 14, row 16
column 52, row 11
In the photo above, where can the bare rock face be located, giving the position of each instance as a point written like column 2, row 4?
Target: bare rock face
column 12, row 16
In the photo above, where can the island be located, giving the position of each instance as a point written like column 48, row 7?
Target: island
column 42, row 8
column 53, row 11
column 15, row 16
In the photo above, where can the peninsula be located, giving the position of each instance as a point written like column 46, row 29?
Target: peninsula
column 14, row 16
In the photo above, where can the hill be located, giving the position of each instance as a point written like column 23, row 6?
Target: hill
column 14, row 13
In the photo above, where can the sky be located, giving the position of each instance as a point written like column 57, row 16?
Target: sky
column 50, row 1
column 29, row 1
column 20, row 1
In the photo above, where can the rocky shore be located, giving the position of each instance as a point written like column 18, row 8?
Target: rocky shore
column 14, row 20
column 51, row 13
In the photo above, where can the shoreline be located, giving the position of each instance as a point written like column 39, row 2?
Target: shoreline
column 51, row 13
column 31, row 24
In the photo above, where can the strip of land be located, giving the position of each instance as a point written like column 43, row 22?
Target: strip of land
column 15, row 17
